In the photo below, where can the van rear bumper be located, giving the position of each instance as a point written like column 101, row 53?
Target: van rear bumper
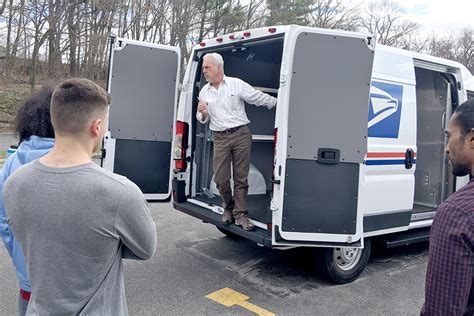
column 258, row 235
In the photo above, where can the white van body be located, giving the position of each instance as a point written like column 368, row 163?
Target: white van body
column 353, row 149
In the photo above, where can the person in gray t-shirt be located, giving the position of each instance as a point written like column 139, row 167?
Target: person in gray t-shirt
column 74, row 220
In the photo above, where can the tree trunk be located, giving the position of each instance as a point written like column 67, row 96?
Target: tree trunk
column 9, row 32
column 72, row 37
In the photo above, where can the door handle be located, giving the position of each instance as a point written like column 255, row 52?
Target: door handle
column 409, row 158
column 443, row 121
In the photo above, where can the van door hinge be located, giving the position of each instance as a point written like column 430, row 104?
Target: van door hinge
column 283, row 78
column 275, row 181
column 273, row 205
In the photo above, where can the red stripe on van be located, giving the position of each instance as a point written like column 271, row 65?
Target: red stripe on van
column 386, row 155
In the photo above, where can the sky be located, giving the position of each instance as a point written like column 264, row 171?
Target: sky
column 439, row 16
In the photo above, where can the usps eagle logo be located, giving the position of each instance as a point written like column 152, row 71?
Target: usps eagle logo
column 385, row 108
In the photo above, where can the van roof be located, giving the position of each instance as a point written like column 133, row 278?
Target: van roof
column 264, row 32
column 271, row 31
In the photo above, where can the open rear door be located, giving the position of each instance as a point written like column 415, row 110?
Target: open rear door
column 327, row 138
column 143, row 81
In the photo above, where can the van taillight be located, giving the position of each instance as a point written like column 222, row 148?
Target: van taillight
column 275, row 138
column 180, row 146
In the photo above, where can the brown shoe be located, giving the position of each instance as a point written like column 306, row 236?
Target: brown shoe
column 227, row 217
column 244, row 221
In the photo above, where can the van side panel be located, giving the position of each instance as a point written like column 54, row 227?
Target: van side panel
column 320, row 198
column 388, row 185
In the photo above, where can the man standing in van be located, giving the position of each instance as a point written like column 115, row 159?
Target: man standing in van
column 221, row 101
column 74, row 220
column 449, row 286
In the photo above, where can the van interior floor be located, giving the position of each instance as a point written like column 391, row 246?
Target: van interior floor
column 258, row 205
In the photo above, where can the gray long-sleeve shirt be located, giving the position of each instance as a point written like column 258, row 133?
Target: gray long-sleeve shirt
column 74, row 226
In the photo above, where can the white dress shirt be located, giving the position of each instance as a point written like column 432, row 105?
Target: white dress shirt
column 226, row 106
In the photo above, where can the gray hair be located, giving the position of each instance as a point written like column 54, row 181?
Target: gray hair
column 217, row 59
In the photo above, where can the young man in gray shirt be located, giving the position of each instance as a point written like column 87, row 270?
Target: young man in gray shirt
column 74, row 220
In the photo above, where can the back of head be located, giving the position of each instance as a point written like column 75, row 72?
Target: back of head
column 75, row 103
column 33, row 116
column 464, row 116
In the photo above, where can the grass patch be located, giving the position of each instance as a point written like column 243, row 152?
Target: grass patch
column 11, row 97
column 3, row 153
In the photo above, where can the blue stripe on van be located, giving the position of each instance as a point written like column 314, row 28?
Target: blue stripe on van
column 385, row 162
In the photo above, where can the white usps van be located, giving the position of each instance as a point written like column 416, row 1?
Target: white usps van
column 353, row 150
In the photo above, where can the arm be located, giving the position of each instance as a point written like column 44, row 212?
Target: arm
column 135, row 226
column 449, row 274
column 5, row 231
column 202, row 114
column 253, row 96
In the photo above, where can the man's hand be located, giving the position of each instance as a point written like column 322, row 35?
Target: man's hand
column 202, row 108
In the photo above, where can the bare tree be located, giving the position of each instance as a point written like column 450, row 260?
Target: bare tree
column 384, row 20
column 2, row 8
column 255, row 14
column 36, row 12
column 456, row 46
column 56, row 38
column 333, row 14
column 288, row 11
column 56, row 18
column 465, row 48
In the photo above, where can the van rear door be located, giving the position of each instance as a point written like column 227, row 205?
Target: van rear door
column 143, row 81
column 329, row 77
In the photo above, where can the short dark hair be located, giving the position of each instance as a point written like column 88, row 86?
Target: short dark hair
column 33, row 116
column 75, row 101
column 465, row 116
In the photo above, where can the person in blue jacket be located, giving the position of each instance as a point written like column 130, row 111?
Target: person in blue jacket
column 36, row 138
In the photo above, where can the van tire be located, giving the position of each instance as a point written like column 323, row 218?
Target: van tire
column 228, row 233
column 344, row 265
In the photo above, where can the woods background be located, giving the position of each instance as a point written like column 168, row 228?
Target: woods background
column 57, row 39
column 44, row 41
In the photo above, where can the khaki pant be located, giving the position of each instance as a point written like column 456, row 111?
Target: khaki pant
column 232, row 147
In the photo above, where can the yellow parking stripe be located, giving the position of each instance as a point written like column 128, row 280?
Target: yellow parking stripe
column 229, row 298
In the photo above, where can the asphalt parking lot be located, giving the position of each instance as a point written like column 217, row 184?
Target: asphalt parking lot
column 194, row 260
column 199, row 271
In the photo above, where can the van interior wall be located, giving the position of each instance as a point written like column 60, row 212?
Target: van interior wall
column 258, row 65
column 432, row 103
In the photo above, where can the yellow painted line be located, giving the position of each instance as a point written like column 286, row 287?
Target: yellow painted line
column 229, row 298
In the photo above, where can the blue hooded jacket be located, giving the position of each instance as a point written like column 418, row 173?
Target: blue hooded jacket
column 29, row 150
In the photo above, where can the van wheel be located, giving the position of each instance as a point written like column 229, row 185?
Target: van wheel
column 345, row 264
column 228, row 233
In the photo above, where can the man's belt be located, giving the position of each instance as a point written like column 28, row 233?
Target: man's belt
column 229, row 130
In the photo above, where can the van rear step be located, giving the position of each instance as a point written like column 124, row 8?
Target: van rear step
column 405, row 238
column 258, row 235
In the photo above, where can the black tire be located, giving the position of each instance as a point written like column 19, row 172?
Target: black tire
column 228, row 233
column 344, row 265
